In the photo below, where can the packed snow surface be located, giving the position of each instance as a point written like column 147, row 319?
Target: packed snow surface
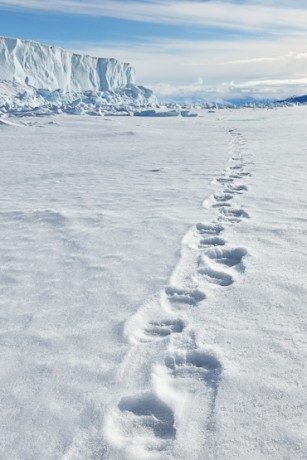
column 153, row 287
column 49, row 67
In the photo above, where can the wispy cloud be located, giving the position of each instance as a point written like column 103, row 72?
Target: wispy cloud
column 197, row 68
column 285, row 57
column 224, row 14
column 185, row 60
column 271, row 83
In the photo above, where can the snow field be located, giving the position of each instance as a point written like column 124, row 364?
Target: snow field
column 92, row 214
column 107, row 350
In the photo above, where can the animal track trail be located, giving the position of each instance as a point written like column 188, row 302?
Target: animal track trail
column 235, row 172
column 172, row 383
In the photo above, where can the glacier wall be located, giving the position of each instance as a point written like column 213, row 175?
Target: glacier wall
column 51, row 68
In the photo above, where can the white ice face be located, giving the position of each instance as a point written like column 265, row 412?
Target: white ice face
column 51, row 68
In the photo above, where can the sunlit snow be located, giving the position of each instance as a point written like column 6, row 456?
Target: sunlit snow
column 153, row 286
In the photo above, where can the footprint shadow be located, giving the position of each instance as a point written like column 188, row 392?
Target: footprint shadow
column 229, row 257
column 200, row 366
column 236, row 213
column 212, row 241
column 224, row 180
column 221, row 205
column 216, row 277
column 164, row 328
column 190, row 297
column 210, row 229
column 224, row 197
column 192, row 362
column 151, row 413
column 235, row 189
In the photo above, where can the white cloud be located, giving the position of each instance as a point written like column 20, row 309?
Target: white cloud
column 176, row 67
column 272, row 83
column 179, row 61
column 244, row 16
column 257, row 89
column 285, row 57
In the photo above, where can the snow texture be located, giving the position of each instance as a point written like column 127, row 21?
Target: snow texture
column 153, row 287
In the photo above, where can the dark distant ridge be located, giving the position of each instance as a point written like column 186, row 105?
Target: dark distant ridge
column 295, row 100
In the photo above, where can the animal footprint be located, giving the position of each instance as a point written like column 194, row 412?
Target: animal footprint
column 212, row 241
column 141, row 426
column 231, row 212
column 209, row 229
column 236, row 167
column 236, row 158
column 223, row 198
column 239, row 175
column 149, row 414
column 164, row 328
column 229, row 257
column 224, row 180
column 216, row 277
column 195, row 363
column 184, row 296
column 220, row 205
column 235, row 189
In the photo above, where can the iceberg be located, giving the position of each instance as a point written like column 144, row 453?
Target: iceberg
column 36, row 75
column 51, row 68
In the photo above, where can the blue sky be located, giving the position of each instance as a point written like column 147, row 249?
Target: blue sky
column 212, row 49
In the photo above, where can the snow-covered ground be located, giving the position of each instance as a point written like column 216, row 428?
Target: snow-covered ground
column 153, row 287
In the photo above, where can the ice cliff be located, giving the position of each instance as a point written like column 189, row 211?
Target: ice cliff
column 34, row 75
column 52, row 68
